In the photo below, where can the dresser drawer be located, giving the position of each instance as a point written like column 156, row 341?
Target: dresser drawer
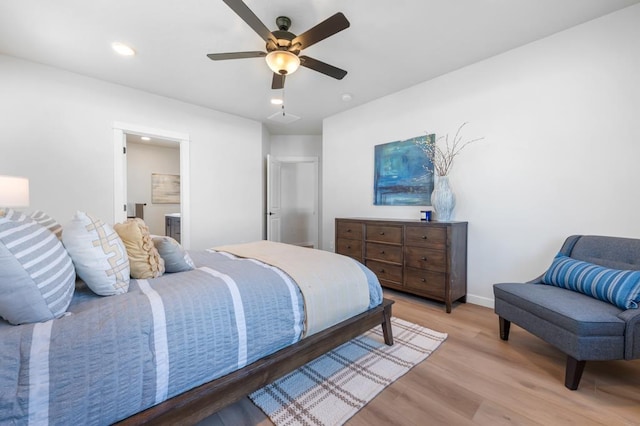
column 384, row 233
column 350, row 230
column 426, row 283
column 426, row 236
column 385, row 271
column 385, row 252
column 424, row 258
column 351, row 248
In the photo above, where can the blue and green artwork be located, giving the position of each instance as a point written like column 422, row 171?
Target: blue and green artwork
column 403, row 174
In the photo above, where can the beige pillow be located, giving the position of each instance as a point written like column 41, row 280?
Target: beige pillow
column 144, row 259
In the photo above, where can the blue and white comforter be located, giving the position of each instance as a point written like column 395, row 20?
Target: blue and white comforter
column 113, row 357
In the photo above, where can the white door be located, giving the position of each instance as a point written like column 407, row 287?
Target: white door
column 292, row 194
column 273, row 198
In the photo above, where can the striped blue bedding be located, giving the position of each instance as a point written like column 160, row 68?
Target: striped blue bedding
column 112, row 357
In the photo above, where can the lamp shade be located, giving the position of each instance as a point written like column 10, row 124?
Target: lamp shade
column 282, row 61
column 14, row 191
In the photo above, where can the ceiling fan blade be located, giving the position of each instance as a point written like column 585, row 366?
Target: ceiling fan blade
column 324, row 29
column 322, row 67
column 278, row 81
column 243, row 11
column 235, row 55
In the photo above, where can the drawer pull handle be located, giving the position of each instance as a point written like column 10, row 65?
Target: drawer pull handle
column 381, row 251
column 381, row 271
column 381, row 233
column 424, row 237
column 348, row 230
column 348, row 247
column 424, row 258
column 423, row 280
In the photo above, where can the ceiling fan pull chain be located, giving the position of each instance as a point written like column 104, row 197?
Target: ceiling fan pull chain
column 283, row 101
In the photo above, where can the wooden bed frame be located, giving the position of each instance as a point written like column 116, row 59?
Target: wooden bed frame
column 196, row 404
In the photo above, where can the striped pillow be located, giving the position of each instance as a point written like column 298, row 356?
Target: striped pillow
column 37, row 278
column 48, row 222
column 38, row 216
column 621, row 288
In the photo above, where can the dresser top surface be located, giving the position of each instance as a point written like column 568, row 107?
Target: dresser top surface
column 388, row 220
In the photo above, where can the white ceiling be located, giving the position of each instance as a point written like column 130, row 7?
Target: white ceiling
column 391, row 45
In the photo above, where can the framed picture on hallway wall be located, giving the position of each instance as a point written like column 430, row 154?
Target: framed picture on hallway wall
column 403, row 174
column 165, row 189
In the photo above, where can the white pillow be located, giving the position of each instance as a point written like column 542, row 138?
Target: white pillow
column 98, row 254
column 37, row 279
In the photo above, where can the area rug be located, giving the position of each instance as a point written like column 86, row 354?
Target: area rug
column 332, row 388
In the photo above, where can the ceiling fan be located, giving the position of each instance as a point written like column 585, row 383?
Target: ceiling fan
column 283, row 47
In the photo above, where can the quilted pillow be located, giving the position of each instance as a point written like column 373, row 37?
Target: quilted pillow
column 621, row 288
column 176, row 259
column 37, row 279
column 98, row 254
column 144, row 259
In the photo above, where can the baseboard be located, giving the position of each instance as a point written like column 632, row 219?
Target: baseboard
column 479, row 300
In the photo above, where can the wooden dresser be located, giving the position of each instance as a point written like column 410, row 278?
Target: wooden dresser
column 428, row 259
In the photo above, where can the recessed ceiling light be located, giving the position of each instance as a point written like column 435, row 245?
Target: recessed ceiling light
column 276, row 101
column 346, row 97
column 145, row 138
column 123, row 49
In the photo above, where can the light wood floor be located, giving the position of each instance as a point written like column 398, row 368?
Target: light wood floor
column 476, row 378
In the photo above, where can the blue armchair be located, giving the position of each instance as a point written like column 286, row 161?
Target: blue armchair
column 585, row 328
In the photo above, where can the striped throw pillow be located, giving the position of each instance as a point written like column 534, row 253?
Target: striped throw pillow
column 48, row 222
column 621, row 288
column 37, row 278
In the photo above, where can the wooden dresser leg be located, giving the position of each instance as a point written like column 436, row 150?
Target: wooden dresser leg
column 386, row 325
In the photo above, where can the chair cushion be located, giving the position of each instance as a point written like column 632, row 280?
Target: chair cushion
column 622, row 288
column 575, row 312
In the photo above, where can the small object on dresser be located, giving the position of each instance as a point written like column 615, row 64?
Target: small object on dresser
column 425, row 215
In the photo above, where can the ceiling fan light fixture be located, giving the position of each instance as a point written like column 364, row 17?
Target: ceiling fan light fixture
column 282, row 62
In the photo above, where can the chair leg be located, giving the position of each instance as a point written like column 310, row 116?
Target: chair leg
column 573, row 373
column 504, row 328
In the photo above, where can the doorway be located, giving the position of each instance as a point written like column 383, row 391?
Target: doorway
column 163, row 139
column 292, row 197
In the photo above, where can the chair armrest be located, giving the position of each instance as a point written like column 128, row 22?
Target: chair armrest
column 537, row 280
column 632, row 333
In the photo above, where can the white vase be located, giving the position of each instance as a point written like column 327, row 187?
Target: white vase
column 442, row 199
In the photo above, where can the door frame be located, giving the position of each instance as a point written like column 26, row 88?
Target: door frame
column 316, row 188
column 120, row 130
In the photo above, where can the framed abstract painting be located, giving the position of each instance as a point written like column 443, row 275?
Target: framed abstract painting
column 403, row 174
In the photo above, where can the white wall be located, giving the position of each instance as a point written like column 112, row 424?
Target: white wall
column 560, row 154
column 142, row 161
column 296, row 145
column 56, row 129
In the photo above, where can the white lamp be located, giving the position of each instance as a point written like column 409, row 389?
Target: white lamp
column 14, row 191
column 282, row 62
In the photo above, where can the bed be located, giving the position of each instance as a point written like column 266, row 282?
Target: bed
column 177, row 348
